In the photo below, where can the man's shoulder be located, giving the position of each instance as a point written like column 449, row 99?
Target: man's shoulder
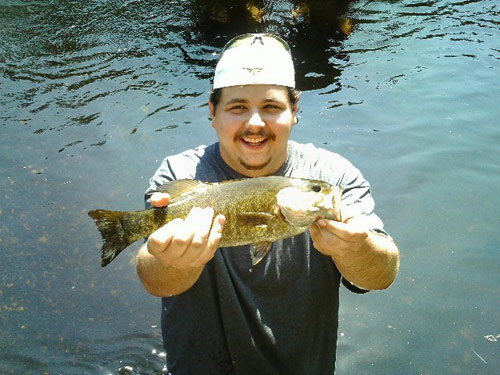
column 308, row 153
column 201, row 163
column 192, row 158
column 193, row 163
column 194, row 154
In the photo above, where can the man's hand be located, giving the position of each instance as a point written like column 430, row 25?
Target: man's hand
column 365, row 258
column 188, row 243
column 333, row 238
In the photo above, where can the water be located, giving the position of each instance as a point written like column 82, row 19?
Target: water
column 94, row 94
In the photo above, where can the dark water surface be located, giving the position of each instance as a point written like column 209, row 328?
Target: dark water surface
column 93, row 94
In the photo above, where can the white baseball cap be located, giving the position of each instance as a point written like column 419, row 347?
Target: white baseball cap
column 253, row 59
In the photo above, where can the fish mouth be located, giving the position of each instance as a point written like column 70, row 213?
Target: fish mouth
column 330, row 214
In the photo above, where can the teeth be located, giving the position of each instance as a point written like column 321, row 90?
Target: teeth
column 254, row 141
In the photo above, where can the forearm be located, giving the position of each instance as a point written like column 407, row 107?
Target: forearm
column 163, row 281
column 372, row 266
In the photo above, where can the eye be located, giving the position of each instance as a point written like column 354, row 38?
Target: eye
column 237, row 108
column 272, row 106
column 316, row 188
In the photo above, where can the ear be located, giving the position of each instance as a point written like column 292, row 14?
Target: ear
column 295, row 111
column 211, row 107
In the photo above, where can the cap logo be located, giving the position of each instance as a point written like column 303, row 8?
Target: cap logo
column 254, row 71
column 258, row 38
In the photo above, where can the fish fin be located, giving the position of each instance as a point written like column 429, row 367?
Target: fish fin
column 177, row 188
column 255, row 219
column 259, row 250
column 114, row 228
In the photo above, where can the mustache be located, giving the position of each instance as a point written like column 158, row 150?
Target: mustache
column 260, row 133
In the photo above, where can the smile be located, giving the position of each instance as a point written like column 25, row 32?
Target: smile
column 254, row 142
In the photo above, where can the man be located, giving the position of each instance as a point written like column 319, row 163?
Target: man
column 220, row 315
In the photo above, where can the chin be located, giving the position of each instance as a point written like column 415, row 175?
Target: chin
column 257, row 168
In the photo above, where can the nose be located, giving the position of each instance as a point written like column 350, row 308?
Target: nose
column 256, row 120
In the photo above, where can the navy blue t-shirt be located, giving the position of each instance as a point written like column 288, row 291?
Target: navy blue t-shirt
column 278, row 317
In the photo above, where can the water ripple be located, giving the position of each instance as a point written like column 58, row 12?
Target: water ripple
column 131, row 353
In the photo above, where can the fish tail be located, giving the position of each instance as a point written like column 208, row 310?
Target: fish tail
column 114, row 227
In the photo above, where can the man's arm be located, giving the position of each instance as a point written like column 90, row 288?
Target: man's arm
column 367, row 259
column 162, row 281
column 174, row 256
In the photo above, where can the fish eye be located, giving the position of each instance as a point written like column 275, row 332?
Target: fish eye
column 316, row 188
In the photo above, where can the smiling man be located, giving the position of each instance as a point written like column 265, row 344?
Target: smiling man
column 220, row 315
column 254, row 124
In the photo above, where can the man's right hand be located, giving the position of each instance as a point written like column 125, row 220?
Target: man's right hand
column 188, row 243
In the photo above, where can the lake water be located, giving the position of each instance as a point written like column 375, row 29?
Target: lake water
column 94, row 94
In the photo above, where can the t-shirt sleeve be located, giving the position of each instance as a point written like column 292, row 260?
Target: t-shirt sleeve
column 163, row 175
column 174, row 167
column 312, row 162
column 353, row 288
column 357, row 199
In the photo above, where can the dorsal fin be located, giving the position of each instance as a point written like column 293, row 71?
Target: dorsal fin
column 179, row 187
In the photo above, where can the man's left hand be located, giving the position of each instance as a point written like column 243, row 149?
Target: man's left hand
column 367, row 259
column 334, row 238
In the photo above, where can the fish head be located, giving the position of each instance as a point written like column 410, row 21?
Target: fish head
column 305, row 201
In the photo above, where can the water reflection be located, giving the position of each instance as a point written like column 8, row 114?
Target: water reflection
column 315, row 30
column 70, row 60
column 75, row 60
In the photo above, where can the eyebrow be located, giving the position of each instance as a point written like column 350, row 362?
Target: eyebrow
column 242, row 100
column 236, row 100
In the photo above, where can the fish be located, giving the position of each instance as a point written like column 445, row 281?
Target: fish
column 258, row 211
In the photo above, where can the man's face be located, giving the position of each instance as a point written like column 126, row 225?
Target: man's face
column 253, row 123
